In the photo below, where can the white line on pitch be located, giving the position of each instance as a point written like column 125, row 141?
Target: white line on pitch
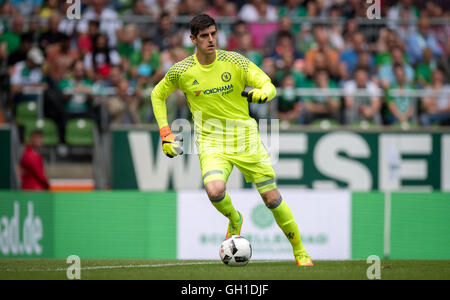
column 134, row 266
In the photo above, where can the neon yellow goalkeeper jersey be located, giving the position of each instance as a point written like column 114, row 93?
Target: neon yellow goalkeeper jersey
column 213, row 94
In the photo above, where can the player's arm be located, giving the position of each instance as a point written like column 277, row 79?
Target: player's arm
column 170, row 142
column 263, row 90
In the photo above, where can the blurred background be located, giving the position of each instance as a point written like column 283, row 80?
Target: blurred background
column 94, row 63
column 363, row 105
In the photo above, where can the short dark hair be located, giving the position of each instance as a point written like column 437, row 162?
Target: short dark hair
column 36, row 131
column 201, row 22
column 285, row 34
column 398, row 66
column 361, row 69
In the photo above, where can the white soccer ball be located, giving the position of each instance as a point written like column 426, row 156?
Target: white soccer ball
column 235, row 251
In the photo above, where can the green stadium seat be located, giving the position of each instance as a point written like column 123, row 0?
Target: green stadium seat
column 26, row 112
column 80, row 132
column 48, row 128
column 325, row 123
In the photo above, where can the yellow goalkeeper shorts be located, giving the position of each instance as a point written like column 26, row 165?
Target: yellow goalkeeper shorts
column 255, row 166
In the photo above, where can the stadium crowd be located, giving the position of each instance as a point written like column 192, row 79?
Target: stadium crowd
column 107, row 61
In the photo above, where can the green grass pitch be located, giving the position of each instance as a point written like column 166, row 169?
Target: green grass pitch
column 207, row 270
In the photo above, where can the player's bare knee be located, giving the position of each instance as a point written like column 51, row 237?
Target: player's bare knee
column 271, row 197
column 215, row 190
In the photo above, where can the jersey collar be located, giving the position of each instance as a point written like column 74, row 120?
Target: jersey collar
column 205, row 66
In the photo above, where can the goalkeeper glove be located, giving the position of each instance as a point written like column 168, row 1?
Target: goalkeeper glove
column 257, row 96
column 171, row 143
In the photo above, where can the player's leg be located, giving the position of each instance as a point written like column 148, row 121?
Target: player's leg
column 257, row 168
column 220, row 199
column 285, row 220
column 215, row 172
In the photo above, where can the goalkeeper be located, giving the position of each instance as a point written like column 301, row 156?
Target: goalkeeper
column 225, row 135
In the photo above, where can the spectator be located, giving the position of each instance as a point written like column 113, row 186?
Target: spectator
column 335, row 31
column 164, row 31
column 2, row 118
column 32, row 166
column 123, row 107
column 222, row 8
column 143, row 86
column 108, row 18
column 173, row 54
column 350, row 28
column 285, row 44
column 160, row 6
column 305, row 40
column 52, row 35
column 386, row 72
column 424, row 69
column 147, row 62
column 253, row 13
column 239, row 29
column 440, row 31
column 289, row 105
column 27, row 74
column 417, row 42
column 321, row 107
column 359, row 108
column 247, row 50
column 258, row 10
column 320, row 62
column 394, row 13
column 293, row 9
column 129, row 40
column 115, row 75
column 51, row 7
column 141, row 10
column 26, row 43
column 401, row 108
column 85, row 41
column 437, row 108
column 332, row 55
column 272, row 39
column 60, row 58
column 6, row 9
column 444, row 62
column 77, row 88
column 27, row 7
column 192, row 7
column 351, row 9
column 269, row 67
column 289, row 66
column 366, row 60
column 349, row 58
column 387, row 42
column 12, row 37
column 98, row 62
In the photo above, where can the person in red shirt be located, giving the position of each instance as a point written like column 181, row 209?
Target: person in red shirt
column 32, row 166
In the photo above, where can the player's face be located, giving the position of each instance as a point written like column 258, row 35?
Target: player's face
column 206, row 40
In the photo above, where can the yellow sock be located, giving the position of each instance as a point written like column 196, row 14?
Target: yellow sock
column 285, row 220
column 226, row 208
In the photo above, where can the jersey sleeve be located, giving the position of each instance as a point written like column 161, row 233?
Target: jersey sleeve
column 256, row 78
column 160, row 93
